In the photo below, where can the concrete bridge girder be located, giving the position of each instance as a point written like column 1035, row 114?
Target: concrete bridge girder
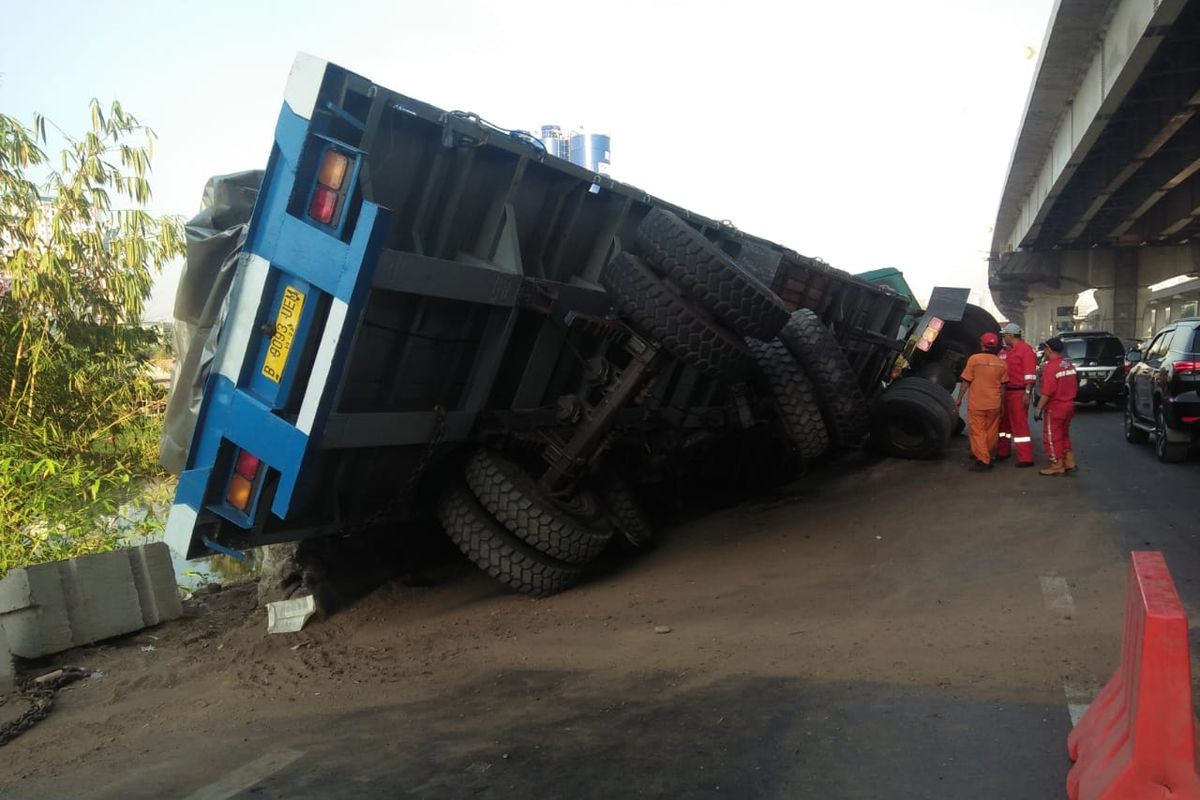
column 1029, row 287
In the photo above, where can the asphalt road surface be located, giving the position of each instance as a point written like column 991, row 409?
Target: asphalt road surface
column 891, row 630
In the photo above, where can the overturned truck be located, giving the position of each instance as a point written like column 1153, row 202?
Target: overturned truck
column 430, row 314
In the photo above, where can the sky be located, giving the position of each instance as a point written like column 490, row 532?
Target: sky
column 872, row 134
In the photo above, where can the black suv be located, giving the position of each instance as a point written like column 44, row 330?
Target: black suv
column 1164, row 390
column 1099, row 359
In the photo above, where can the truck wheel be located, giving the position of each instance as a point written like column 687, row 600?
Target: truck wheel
column 939, row 393
column 841, row 400
column 626, row 514
column 908, row 423
column 963, row 336
column 497, row 552
column 656, row 311
column 794, row 397
column 568, row 531
column 680, row 253
column 928, row 387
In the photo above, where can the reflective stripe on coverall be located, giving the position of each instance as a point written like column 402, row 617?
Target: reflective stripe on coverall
column 1060, row 385
column 1014, row 426
column 985, row 375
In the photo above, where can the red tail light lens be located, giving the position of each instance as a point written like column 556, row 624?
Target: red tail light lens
column 1189, row 420
column 1184, row 367
column 324, row 203
column 247, row 465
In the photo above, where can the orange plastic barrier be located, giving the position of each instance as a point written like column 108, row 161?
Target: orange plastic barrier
column 1137, row 741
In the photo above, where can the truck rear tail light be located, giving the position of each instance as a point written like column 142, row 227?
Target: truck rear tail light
column 247, row 465
column 1189, row 420
column 1184, row 367
column 333, row 169
column 324, row 203
column 239, row 492
column 932, row 329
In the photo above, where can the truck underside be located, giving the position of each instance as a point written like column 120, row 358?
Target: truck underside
column 432, row 314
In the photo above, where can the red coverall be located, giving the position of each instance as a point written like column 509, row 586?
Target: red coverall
column 1060, row 385
column 1014, row 425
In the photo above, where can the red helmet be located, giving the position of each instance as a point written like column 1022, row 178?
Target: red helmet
column 989, row 341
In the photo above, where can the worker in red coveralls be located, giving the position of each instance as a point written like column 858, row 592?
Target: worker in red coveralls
column 1057, row 404
column 983, row 378
column 1022, row 374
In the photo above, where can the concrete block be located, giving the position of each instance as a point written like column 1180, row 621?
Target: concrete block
column 154, row 579
column 102, row 599
column 8, row 676
column 33, row 610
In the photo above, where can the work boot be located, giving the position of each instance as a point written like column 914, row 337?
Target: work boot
column 1055, row 468
column 1069, row 461
column 1023, row 464
column 999, row 457
column 980, row 466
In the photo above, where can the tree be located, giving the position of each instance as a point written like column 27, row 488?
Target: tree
column 79, row 414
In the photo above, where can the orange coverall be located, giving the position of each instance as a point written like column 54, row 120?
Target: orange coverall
column 984, row 377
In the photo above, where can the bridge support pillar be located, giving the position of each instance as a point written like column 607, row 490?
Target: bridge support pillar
column 1123, row 303
column 1125, row 294
column 1047, row 314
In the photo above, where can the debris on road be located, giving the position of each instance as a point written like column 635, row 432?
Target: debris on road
column 40, row 693
column 289, row 616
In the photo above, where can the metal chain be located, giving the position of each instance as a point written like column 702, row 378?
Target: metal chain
column 404, row 497
column 41, row 701
column 439, row 430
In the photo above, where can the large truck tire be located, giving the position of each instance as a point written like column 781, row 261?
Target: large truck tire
column 846, row 412
column 654, row 310
column 626, row 514
column 572, row 533
column 942, row 395
column 958, row 340
column 681, row 254
column 794, row 397
column 930, row 388
column 910, row 422
column 497, row 552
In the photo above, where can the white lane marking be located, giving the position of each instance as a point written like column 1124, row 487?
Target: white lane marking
column 1079, row 697
column 1056, row 593
column 319, row 376
column 246, row 776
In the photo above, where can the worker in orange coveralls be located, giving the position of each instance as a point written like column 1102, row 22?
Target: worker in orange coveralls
column 1022, row 374
column 983, row 379
column 1059, row 386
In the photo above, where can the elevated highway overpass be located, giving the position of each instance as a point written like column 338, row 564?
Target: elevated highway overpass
column 1103, row 189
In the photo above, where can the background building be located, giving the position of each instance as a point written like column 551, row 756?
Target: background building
column 592, row 151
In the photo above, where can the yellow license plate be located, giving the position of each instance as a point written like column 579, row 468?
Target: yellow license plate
column 285, row 333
